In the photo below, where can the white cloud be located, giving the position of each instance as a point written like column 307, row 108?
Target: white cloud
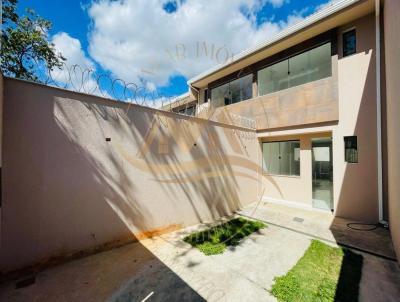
column 78, row 71
column 326, row 4
column 71, row 49
column 277, row 3
column 76, row 63
column 138, row 40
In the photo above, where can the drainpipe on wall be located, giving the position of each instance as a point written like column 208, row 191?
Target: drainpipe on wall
column 379, row 108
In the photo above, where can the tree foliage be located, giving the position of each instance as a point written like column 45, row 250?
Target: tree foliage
column 24, row 44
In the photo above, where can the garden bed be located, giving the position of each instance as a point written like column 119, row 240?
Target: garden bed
column 216, row 239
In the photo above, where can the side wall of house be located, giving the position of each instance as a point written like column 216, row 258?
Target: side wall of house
column 81, row 172
column 392, row 58
column 356, row 185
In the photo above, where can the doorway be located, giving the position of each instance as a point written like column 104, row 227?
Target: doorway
column 322, row 173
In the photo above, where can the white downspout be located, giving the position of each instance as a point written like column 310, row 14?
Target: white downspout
column 379, row 108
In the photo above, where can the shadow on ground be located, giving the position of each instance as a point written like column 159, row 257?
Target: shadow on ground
column 128, row 273
column 348, row 285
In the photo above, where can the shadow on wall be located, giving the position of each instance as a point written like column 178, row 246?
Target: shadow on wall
column 358, row 195
column 81, row 171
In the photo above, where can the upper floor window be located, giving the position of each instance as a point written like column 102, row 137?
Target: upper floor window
column 235, row 91
column 191, row 110
column 349, row 43
column 306, row 67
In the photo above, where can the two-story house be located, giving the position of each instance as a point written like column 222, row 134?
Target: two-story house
column 314, row 94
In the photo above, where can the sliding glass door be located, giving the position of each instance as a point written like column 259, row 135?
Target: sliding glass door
column 322, row 176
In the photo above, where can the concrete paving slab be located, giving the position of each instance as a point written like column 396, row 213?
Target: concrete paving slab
column 165, row 268
column 324, row 225
column 380, row 281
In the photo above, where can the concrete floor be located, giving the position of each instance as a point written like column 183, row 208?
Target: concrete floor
column 167, row 269
column 322, row 225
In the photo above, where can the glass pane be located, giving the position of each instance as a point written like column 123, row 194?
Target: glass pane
column 271, row 158
column 246, row 87
column 290, row 158
column 299, row 67
column 320, row 62
column 322, row 176
column 349, row 42
column 282, row 158
column 241, row 89
column 295, row 158
column 236, row 91
column 273, row 78
column 310, row 66
column 191, row 110
column 220, row 95
column 350, row 145
column 306, row 67
column 285, row 162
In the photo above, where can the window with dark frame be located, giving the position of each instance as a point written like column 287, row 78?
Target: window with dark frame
column 232, row 92
column 311, row 65
column 205, row 95
column 350, row 149
column 191, row 110
column 349, row 43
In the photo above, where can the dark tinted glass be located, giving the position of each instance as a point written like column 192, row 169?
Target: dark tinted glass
column 350, row 149
column 235, row 91
column 349, row 42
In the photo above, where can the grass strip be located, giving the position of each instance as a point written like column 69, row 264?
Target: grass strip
column 216, row 239
column 324, row 273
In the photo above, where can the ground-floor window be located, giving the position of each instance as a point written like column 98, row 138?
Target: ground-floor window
column 350, row 149
column 282, row 158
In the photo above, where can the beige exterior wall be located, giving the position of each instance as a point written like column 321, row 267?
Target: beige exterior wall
column 311, row 103
column 296, row 190
column 392, row 58
column 67, row 189
column 355, row 185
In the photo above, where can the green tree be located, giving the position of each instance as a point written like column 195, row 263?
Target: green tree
column 25, row 45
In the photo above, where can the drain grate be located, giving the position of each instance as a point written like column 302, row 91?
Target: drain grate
column 298, row 219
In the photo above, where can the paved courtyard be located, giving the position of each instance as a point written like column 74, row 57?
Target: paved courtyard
column 167, row 269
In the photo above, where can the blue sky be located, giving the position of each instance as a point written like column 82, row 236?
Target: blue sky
column 139, row 41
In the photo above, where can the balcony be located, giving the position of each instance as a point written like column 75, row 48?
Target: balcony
column 310, row 103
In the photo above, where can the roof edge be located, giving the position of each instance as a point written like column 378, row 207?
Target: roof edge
column 313, row 18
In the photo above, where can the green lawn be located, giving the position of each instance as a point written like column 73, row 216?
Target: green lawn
column 215, row 240
column 324, row 273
